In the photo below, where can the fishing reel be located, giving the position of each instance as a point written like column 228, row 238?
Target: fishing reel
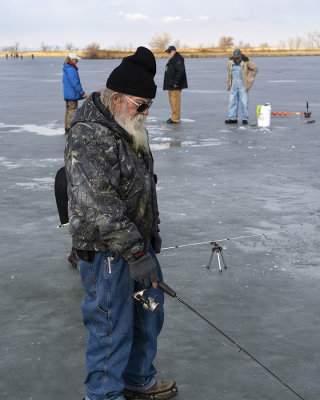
column 146, row 301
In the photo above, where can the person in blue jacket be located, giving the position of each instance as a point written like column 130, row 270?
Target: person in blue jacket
column 72, row 89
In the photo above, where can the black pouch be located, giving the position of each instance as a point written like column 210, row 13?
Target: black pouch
column 85, row 255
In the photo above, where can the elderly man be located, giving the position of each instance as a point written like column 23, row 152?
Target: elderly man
column 114, row 220
column 241, row 74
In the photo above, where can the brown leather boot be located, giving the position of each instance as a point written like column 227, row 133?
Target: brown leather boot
column 161, row 390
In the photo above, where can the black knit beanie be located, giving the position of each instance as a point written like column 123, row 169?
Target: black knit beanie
column 135, row 75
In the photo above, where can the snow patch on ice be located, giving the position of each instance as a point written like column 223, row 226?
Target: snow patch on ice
column 187, row 120
column 42, row 130
column 8, row 164
column 202, row 91
column 45, row 183
column 283, row 81
column 185, row 143
column 157, row 146
column 157, row 129
column 38, row 129
column 28, row 162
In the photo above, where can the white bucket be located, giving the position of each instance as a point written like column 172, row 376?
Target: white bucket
column 263, row 115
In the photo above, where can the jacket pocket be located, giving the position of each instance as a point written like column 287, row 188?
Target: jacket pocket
column 102, row 321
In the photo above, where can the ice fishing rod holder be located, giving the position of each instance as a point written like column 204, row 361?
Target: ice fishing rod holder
column 216, row 248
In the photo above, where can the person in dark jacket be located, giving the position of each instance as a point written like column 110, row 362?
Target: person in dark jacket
column 113, row 221
column 72, row 89
column 175, row 79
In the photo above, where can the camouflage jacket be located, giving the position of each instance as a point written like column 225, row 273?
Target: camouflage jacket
column 112, row 201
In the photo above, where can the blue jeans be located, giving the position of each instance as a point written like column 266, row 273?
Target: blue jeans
column 239, row 94
column 122, row 339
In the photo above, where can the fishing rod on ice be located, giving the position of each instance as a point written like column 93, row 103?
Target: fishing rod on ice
column 216, row 248
column 148, row 303
column 216, row 240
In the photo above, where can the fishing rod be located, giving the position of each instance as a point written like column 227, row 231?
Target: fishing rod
column 216, row 240
column 149, row 304
column 216, row 248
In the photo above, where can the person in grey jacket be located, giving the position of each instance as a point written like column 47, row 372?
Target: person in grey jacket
column 113, row 217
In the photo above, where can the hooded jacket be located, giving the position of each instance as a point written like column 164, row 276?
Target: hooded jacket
column 72, row 89
column 249, row 71
column 175, row 74
column 111, row 188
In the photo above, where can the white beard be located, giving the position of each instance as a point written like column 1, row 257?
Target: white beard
column 135, row 127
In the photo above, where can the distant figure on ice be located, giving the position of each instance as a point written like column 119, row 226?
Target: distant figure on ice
column 72, row 89
column 241, row 74
column 32, row 56
column 7, row 56
column 175, row 79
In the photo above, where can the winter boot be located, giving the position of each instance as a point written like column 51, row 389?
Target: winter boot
column 172, row 122
column 161, row 390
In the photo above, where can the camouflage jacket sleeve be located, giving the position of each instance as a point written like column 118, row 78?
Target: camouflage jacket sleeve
column 96, row 210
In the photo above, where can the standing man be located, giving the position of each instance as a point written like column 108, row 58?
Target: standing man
column 175, row 79
column 241, row 74
column 72, row 89
column 113, row 216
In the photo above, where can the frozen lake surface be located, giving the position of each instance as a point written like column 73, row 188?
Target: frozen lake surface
column 215, row 182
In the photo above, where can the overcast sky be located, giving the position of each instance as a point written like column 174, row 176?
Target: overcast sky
column 130, row 23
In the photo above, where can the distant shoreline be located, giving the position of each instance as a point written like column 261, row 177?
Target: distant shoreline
column 205, row 52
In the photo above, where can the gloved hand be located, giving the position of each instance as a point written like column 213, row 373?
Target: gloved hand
column 156, row 243
column 144, row 269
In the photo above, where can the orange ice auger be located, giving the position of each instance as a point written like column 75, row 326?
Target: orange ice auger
column 284, row 113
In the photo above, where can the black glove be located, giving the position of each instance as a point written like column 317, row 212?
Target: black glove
column 156, row 243
column 144, row 269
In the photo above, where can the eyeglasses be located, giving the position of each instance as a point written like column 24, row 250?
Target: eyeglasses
column 140, row 106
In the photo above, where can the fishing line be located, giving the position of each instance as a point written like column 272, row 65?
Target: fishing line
column 198, row 330
column 166, row 289
column 218, row 341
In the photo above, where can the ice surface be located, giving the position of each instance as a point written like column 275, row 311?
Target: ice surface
column 214, row 182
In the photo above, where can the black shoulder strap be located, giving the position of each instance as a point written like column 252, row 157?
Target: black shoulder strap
column 60, row 191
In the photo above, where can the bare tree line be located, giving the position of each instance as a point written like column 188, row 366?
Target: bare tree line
column 12, row 49
column 43, row 46
column 311, row 41
column 162, row 40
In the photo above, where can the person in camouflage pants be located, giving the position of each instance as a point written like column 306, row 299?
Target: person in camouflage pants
column 113, row 216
